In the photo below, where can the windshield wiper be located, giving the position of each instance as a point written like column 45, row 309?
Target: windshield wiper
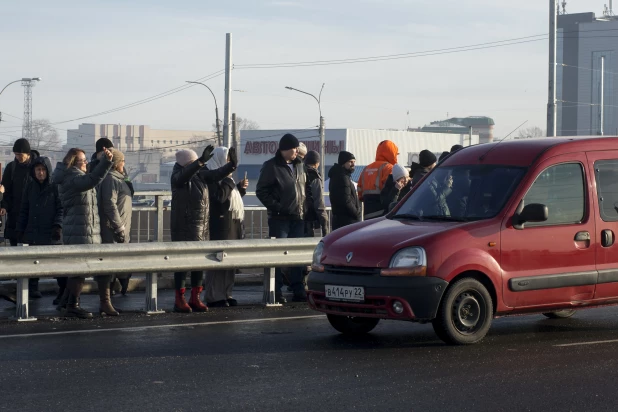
column 407, row 216
column 446, row 218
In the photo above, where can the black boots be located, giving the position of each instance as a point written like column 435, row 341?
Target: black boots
column 73, row 309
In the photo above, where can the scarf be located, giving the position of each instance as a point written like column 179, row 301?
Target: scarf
column 217, row 161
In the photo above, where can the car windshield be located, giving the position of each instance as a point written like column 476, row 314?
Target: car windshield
column 462, row 193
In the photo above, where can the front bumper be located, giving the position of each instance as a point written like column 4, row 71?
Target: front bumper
column 420, row 295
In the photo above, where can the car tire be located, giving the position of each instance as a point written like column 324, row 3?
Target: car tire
column 560, row 314
column 465, row 313
column 353, row 326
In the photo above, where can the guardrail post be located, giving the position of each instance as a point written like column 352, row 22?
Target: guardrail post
column 152, row 279
column 269, row 288
column 21, row 307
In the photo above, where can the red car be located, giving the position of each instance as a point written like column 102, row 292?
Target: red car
column 525, row 226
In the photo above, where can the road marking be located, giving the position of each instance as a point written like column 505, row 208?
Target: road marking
column 596, row 342
column 141, row 328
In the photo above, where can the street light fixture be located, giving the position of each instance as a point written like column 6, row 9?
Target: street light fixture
column 322, row 142
column 216, row 110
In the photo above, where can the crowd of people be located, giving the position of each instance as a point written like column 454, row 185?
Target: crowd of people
column 81, row 202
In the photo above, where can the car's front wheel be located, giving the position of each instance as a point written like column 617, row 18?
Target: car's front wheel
column 353, row 326
column 465, row 313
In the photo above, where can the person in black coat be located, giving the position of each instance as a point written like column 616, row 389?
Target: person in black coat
column 426, row 162
column 315, row 210
column 190, row 214
column 346, row 207
column 397, row 186
column 40, row 218
column 281, row 189
column 227, row 212
column 15, row 178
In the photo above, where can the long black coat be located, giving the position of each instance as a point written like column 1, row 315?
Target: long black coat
column 281, row 189
column 41, row 208
column 15, row 178
column 222, row 225
column 81, row 224
column 190, row 200
column 390, row 196
column 346, row 207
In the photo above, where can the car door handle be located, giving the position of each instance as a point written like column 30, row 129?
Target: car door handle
column 607, row 238
column 582, row 236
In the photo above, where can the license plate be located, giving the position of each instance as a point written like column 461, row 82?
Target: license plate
column 345, row 293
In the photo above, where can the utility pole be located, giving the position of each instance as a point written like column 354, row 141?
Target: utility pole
column 228, row 89
column 234, row 132
column 602, row 95
column 322, row 146
column 553, row 45
column 470, row 137
column 26, row 130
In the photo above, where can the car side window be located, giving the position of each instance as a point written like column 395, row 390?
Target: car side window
column 561, row 188
column 606, row 174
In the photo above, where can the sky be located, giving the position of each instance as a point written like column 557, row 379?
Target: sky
column 94, row 56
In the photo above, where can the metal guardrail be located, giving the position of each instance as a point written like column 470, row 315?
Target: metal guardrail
column 151, row 258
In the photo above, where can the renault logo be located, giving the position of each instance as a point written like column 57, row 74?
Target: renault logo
column 349, row 257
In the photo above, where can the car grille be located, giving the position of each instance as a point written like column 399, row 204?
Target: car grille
column 350, row 270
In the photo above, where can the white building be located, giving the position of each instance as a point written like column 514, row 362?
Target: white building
column 257, row 146
column 144, row 148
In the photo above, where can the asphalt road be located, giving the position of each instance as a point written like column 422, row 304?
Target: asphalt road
column 289, row 359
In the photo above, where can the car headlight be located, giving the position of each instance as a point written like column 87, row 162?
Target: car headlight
column 316, row 266
column 411, row 261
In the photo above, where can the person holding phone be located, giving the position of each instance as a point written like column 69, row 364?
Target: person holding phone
column 227, row 212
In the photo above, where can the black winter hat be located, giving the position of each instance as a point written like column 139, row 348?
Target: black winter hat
column 21, row 146
column 288, row 141
column 344, row 157
column 443, row 155
column 456, row 148
column 103, row 142
column 312, row 158
column 426, row 158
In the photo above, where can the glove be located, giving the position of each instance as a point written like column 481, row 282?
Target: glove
column 56, row 233
column 233, row 157
column 207, row 153
column 119, row 237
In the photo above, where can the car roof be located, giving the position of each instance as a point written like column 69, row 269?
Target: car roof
column 524, row 152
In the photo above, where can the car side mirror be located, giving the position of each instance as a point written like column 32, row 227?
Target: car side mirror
column 534, row 212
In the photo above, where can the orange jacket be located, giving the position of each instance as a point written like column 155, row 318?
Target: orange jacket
column 374, row 176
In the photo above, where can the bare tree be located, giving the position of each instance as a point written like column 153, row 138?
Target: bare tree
column 242, row 124
column 199, row 142
column 530, row 132
column 44, row 137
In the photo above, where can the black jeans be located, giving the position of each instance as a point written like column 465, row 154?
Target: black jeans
column 282, row 229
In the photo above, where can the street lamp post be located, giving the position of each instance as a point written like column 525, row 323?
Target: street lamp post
column 216, row 111
column 322, row 142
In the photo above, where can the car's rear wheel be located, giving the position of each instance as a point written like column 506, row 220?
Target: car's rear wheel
column 560, row 314
column 353, row 326
column 465, row 313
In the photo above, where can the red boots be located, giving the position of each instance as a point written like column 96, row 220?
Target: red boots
column 181, row 304
column 196, row 304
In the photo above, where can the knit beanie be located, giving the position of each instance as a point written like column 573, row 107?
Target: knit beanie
column 103, row 142
column 312, row 158
column 185, row 156
column 399, row 172
column 426, row 158
column 302, row 149
column 288, row 141
column 21, row 146
column 444, row 155
column 456, row 148
column 344, row 157
column 117, row 157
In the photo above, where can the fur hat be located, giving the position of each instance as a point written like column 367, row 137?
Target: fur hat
column 117, row 156
column 302, row 149
column 185, row 156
